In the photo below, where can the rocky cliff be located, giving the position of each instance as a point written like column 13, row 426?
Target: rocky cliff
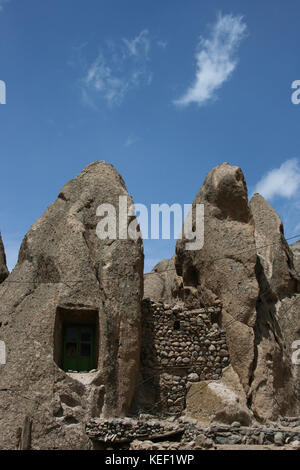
column 65, row 274
column 295, row 247
column 163, row 283
column 247, row 266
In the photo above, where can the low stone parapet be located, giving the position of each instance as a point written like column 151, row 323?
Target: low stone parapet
column 118, row 430
column 188, row 434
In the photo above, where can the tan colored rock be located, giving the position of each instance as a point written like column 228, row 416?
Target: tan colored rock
column 273, row 387
column 247, row 265
column 143, row 445
column 3, row 268
column 66, row 274
column 163, row 283
column 274, row 254
column 295, row 247
column 219, row 400
column 224, row 269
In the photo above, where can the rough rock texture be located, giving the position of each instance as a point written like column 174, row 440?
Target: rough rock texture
column 289, row 311
column 224, row 269
column 295, row 247
column 221, row 400
column 247, row 265
column 65, row 273
column 3, row 268
column 163, row 283
column 178, row 346
column 273, row 388
column 128, row 429
column 275, row 256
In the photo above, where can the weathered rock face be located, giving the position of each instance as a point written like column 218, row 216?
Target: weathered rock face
column 221, row 400
column 247, row 265
column 3, row 268
column 224, row 269
column 163, row 283
column 65, row 274
column 295, row 247
column 274, row 254
column 274, row 385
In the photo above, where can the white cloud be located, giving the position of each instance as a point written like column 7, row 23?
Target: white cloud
column 215, row 59
column 101, row 79
column 283, row 181
column 118, row 69
column 140, row 45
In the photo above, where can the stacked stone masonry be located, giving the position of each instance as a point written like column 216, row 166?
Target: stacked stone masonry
column 187, row 433
column 127, row 429
column 180, row 346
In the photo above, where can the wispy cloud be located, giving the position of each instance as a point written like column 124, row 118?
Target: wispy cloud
column 140, row 45
column 131, row 140
column 283, row 181
column 282, row 184
column 215, row 59
column 162, row 44
column 117, row 69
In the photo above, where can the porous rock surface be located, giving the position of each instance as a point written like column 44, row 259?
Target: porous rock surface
column 274, row 384
column 163, row 283
column 65, row 271
column 274, row 254
column 224, row 269
column 247, row 265
column 222, row 400
column 295, row 247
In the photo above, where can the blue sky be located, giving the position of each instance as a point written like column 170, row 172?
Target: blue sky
column 163, row 90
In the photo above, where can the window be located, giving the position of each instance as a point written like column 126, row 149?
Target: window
column 76, row 339
column 78, row 348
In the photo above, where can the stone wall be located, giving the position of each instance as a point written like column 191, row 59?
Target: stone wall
column 188, row 434
column 118, row 430
column 178, row 346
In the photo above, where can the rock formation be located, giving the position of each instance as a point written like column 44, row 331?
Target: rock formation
column 274, row 254
column 224, row 269
column 3, row 268
column 163, row 283
column 216, row 340
column 273, row 385
column 295, row 247
column 246, row 265
column 221, row 400
column 65, row 274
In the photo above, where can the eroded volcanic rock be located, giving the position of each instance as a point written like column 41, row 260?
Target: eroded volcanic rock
column 224, row 269
column 246, row 265
column 295, row 247
column 65, row 274
column 221, row 400
column 274, row 254
column 275, row 384
column 163, row 283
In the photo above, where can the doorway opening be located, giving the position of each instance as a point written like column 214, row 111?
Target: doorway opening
column 76, row 339
column 78, row 348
